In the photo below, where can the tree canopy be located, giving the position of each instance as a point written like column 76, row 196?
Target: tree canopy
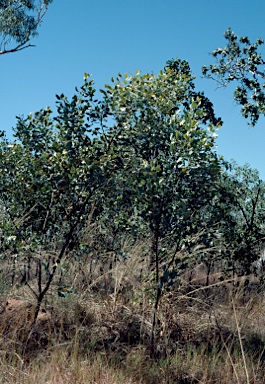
column 241, row 62
column 140, row 160
column 19, row 21
column 134, row 161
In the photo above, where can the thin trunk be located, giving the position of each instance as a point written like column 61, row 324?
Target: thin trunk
column 158, row 289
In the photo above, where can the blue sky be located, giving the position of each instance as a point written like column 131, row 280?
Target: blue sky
column 104, row 37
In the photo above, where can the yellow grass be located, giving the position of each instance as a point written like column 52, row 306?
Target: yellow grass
column 100, row 331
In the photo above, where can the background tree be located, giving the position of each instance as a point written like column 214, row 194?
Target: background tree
column 242, row 192
column 237, row 217
column 240, row 62
column 19, row 21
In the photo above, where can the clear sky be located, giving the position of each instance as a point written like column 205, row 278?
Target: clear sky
column 104, row 37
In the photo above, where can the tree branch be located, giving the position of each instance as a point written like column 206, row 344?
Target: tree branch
column 17, row 48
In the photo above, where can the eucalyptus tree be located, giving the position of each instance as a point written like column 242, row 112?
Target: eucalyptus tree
column 241, row 62
column 50, row 180
column 142, row 159
column 144, row 156
column 164, row 144
column 19, row 21
column 163, row 150
column 242, row 207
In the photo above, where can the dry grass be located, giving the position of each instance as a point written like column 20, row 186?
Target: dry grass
column 59, row 368
column 100, row 331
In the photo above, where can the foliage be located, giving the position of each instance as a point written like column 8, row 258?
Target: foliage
column 240, row 205
column 19, row 21
column 164, row 160
column 242, row 211
column 50, row 170
column 140, row 162
column 161, row 147
column 50, row 182
column 240, row 62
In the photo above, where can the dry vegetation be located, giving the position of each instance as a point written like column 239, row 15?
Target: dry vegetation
column 99, row 332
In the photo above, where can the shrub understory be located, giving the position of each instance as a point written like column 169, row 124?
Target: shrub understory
column 97, row 330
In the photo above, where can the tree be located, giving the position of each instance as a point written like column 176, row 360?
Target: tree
column 49, row 182
column 240, row 205
column 19, row 21
column 140, row 160
column 144, row 156
column 240, row 62
column 166, row 166
column 160, row 147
